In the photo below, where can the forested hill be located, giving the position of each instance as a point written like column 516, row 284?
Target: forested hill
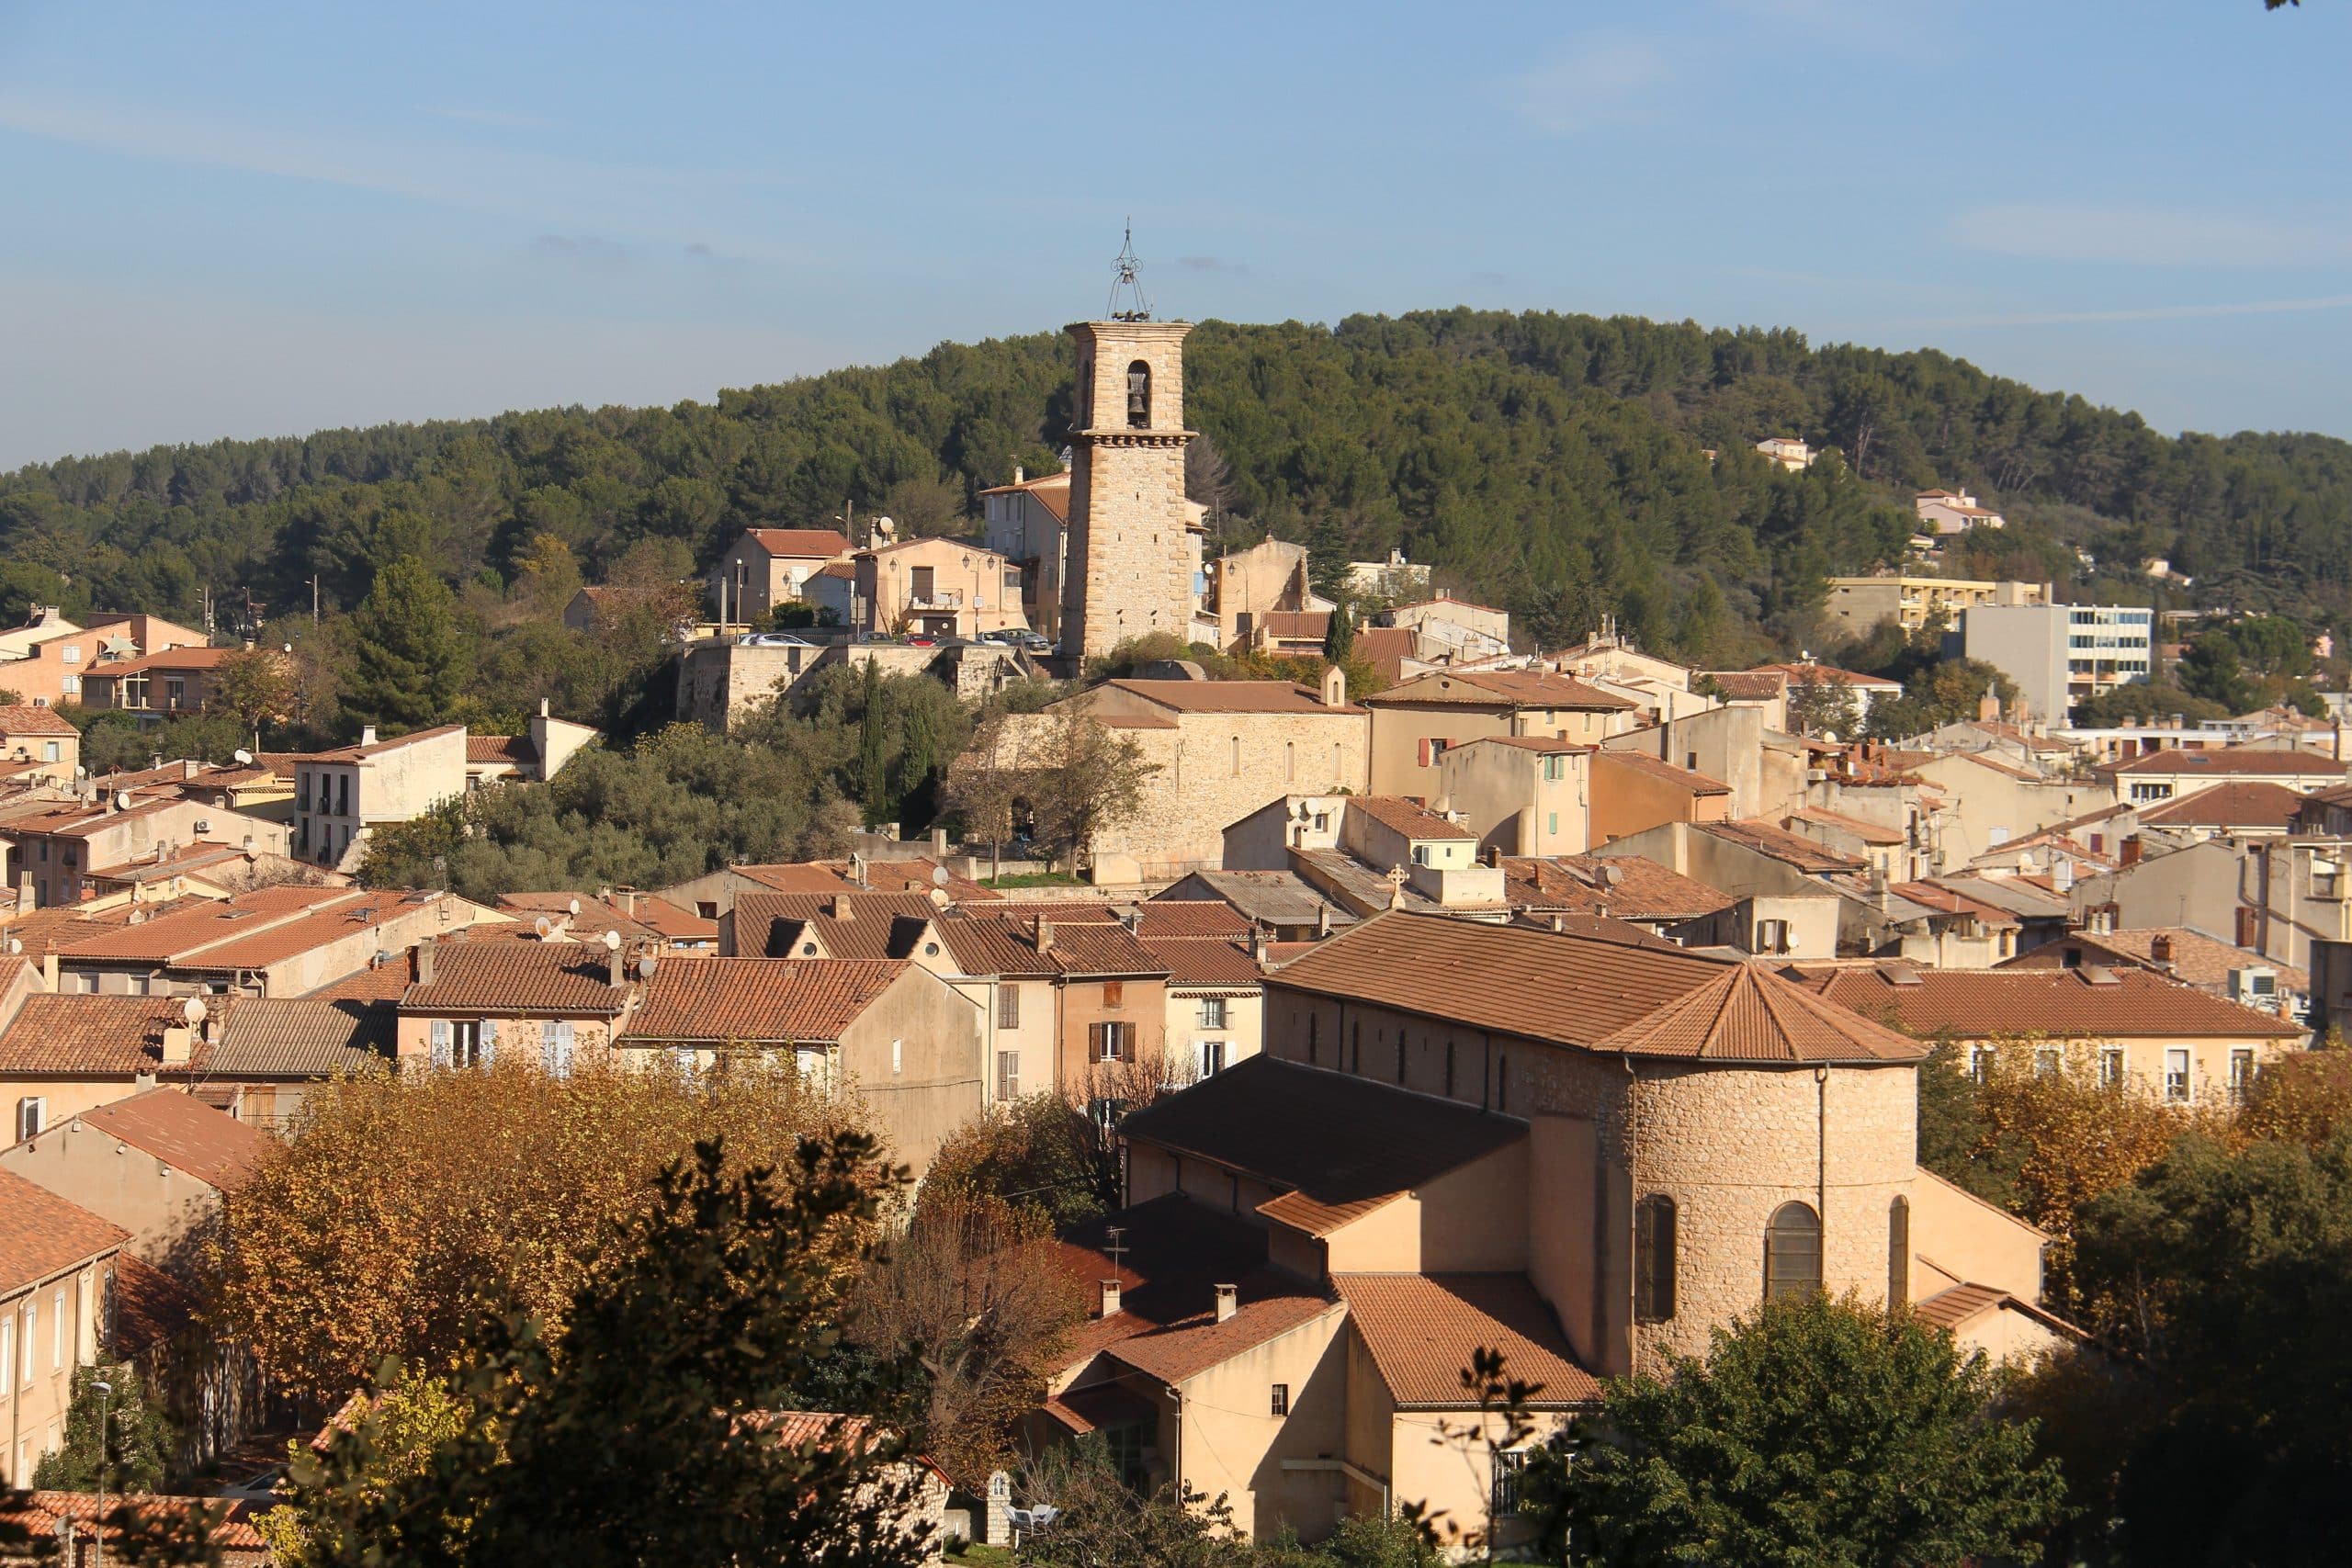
column 1555, row 463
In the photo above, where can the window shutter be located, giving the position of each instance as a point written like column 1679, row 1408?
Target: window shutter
column 555, row 1048
column 486, row 1043
column 1096, row 1036
column 1423, row 747
column 440, row 1050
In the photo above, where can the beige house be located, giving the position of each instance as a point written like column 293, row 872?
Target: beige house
column 2155, row 1035
column 43, row 623
column 274, row 941
column 765, row 570
column 891, row 1033
column 2170, row 775
column 340, row 796
column 935, row 588
column 1219, row 750
column 1453, row 631
column 1633, row 792
column 44, row 660
column 1948, row 512
column 1027, row 521
column 56, row 1262
column 1791, row 452
column 72, row 852
column 1857, row 603
column 36, row 745
column 1521, row 794
column 154, row 1165
column 1414, row 724
column 1246, row 587
column 548, row 1001
column 1597, row 1155
column 1989, row 802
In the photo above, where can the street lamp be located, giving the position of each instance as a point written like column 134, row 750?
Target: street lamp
column 106, row 1392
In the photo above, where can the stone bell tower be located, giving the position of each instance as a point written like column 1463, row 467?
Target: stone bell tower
column 1133, row 554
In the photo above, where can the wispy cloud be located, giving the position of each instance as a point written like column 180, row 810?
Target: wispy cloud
column 648, row 199
column 1593, row 80
column 2140, row 313
column 500, row 120
column 2124, row 236
column 593, row 252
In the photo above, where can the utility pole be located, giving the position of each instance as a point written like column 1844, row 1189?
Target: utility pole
column 314, row 598
column 106, row 1392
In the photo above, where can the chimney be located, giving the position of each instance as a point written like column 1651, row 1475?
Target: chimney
column 857, row 870
column 2160, row 949
column 212, row 1020
column 1228, row 1300
column 840, row 908
column 1132, row 920
column 2131, row 855
column 1045, row 935
column 1018, row 477
column 1110, row 1298
column 366, row 735
column 424, row 962
column 939, row 840
column 1323, row 918
column 179, row 1044
column 543, row 708
column 625, row 897
column 615, row 966
column 1559, row 922
column 1260, row 949
column 155, row 762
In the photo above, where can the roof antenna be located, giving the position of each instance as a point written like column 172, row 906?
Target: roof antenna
column 1141, row 311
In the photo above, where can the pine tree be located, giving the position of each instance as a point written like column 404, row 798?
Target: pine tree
column 872, row 751
column 409, row 659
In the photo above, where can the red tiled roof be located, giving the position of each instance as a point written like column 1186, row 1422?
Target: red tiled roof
column 361, row 753
column 305, row 1037
column 757, row 999
column 1409, row 817
column 515, row 749
column 75, row 1036
column 1592, row 995
column 1297, row 626
column 1689, row 779
column 517, row 978
column 1502, row 688
column 803, row 878
column 993, row 944
column 1868, row 833
column 290, row 938
column 2237, row 762
column 1535, row 743
column 189, row 930
column 1823, row 674
column 1197, row 962
column 2191, row 955
column 235, row 1535
column 2069, row 1004
column 2240, row 802
column 42, row 1233
column 1049, row 490
column 1228, row 697
column 1165, row 918
column 1338, row 1146
column 1386, row 649
column 215, row 1148
column 766, row 922
column 1750, row 685
column 1794, row 849
column 1422, row 1329
column 917, row 876
column 1642, row 890
column 23, row 718
column 812, row 544
column 169, row 659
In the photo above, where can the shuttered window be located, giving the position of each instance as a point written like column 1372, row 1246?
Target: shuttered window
column 555, row 1047
column 439, row 1055
column 1898, row 1253
column 1792, row 1252
column 1008, row 1006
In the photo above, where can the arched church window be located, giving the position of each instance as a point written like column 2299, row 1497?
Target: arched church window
column 1653, row 1219
column 1139, row 395
column 1792, row 1252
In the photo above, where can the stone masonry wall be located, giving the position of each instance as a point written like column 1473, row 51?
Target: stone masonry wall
column 1131, row 557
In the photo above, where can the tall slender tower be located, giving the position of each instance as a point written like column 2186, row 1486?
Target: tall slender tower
column 1132, row 556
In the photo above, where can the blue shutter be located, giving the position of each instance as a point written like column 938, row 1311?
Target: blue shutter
column 440, row 1053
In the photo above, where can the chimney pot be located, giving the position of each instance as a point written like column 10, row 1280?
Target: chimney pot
column 366, row 735
column 424, row 962
column 1045, row 935
column 1227, row 1301
column 1110, row 1298
column 179, row 1044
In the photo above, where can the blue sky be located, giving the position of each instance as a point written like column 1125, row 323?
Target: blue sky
column 245, row 219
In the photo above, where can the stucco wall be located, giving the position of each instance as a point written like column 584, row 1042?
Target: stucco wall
column 1510, row 805
column 1726, row 743
column 1231, row 1443
column 156, row 1202
column 1960, row 1237
column 1627, row 799
column 930, row 1085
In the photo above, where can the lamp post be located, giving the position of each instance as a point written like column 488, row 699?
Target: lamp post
column 106, row 1392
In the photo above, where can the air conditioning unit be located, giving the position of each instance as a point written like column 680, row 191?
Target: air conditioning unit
column 1817, row 775
column 2255, row 987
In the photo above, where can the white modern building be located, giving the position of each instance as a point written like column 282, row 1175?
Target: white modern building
column 2059, row 654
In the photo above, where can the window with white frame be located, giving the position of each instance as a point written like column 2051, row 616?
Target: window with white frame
column 2240, row 1071
column 2111, row 1067
column 462, row 1041
column 1212, row 1058
column 1110, row 1041
column 2177, row 1074
column 1212, row 1012
column 32, row 1115
column 556, row 1040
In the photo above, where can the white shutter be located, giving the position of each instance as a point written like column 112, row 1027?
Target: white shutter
column 555, row 1047
column 486, row 1042
column 440, row 1053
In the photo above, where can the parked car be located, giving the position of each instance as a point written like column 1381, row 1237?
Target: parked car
column 773, row 639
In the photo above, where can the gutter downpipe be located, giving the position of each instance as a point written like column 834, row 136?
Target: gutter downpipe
column 1821, row 1155
column 1632, row 1210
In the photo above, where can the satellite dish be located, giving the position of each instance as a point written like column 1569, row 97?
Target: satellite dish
column 542, row 926
column 192, row 1009
column 15, row 945
column 939, row 877
column 645, row 967
column 243, row 756
column 611, row 941
column 122, row 800
column 573, row 905
column 1830, row 736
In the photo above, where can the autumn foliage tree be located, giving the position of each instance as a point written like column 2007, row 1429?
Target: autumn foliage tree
column 403, row 1209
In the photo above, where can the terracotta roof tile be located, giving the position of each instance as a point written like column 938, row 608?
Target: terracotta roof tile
column 1275, row 897
column 1535, row 743
column 2189, row 955
column 1592, row 995
column 1750, row 685
column 992, row 944
column 1409, row 817
column 2065, row 1003
column 307, row 1037
column 1640, row 890
column 1420, row 1330
column 2236, row 762
column 1197, row 962
column 150, row 1308
column 214, row 1147
column 807, row 878
column 767, row 923
column 1793, row 849
column 23, row 718
column 1228, row 697
column 515, row 749
column 362, row 753
column 1823, row 674
column 1167, row 917
column 2240, row 802
column 812, row 544
column 757, row 999
column 187, row 932
column 1386, row 649
column 1342, row 1144
column 1502, row 688
column 75, row 1035
column 41, row 1233
column 516, row 976
column 1689, row 779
